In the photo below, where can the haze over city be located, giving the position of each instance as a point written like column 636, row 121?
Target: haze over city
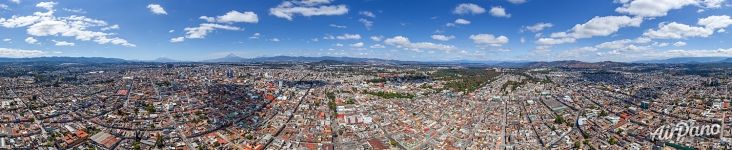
column 431, row 30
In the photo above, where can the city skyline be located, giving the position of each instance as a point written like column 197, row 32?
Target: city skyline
column 503, row 30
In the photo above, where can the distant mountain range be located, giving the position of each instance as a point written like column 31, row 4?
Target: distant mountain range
column 231, row 58
column 689, row 60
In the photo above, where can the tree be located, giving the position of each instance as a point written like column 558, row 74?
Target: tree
column 612, row 141
column 159, row 141
column 558, row 119
column 393, row 142
column 603, row 113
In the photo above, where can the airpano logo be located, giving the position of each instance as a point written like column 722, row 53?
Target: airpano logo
column 685, row 129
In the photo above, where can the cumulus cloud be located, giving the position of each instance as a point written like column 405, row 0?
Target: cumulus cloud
column 203, row 29
column 46, row 5
column 489, row 39
column 359, row 44
column 223, row 22
column 597, row 26
column 403, row 42
column 715, row 22
column 468, row 8
column 377, row 46
column 461, row 21
column 538, row 27
column 234, row 17
column 177, row 39
column 9, row 52
column 660, row 8
column 676, row 30
column 15, row 1
column 442, row 37
column 31, row 40
column 63, row 43
column 157, row 9
column 337, row 26
column 307, row 8
column 680, row 44
column 499, row 11
column 376, row 38
column 343, row 37
column 367, row 14
column 47, row 24
column 366, row 23
column 113, row 27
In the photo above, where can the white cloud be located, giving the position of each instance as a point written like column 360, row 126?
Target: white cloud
column 31, row 40
column 113, row 27
column 652, row 8
column 712, row 3
column 307, row 8
column 229, row 18
column 675, row 30
column 367, row 14
column 337, row 26
column 555, row 41
column 15, row 1
column 255, row 36
column 343, row 37
column 46, row 5
column 177, row 39
column 9, row 52
column 442, row 37
column 7, row 40
column 377, row 46
column 499, row 11
column 715, row 22
column 539, row 26
column 359, row 44
column 202, row 30
column 79, row 10
column 489, row 39
column 157, row 9
column 604, row 26
column 63, row 43
column 235, row 16
column 597, row 26
column 403, row 42
column 694, row 53
column 377, row 38
column 207, row 18
column 46, row 24
column 274, row 39
column 462, row 21
column 468, row 8
column 4, row 7
column 680, row 44
column 366, row 23
column 517, row 1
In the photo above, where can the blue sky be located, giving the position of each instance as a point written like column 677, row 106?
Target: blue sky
column 424, row 30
